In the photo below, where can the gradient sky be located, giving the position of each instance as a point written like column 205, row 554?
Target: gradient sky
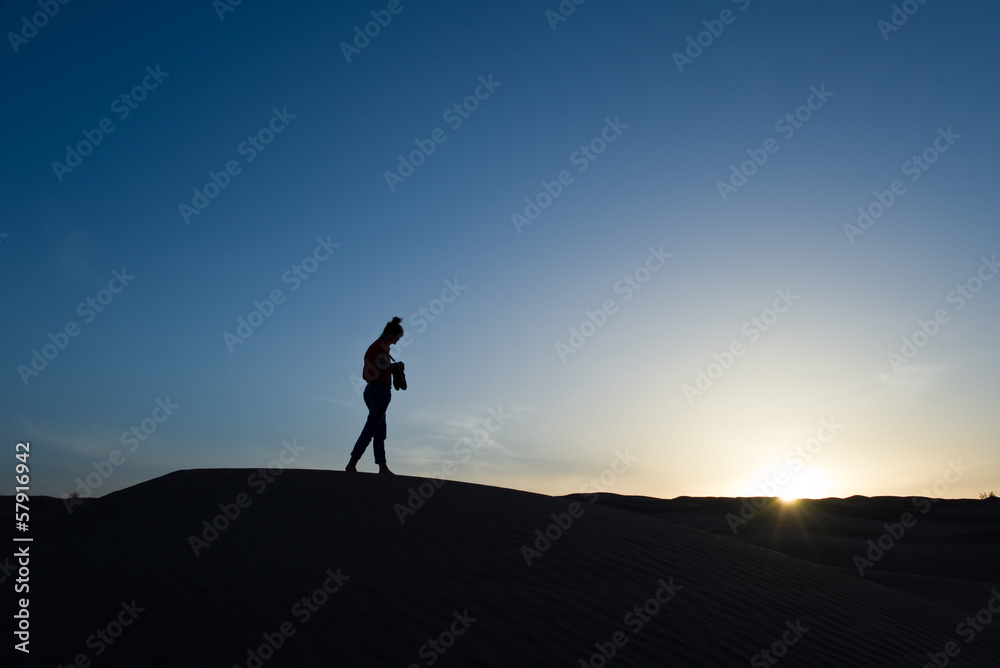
column 820, row 369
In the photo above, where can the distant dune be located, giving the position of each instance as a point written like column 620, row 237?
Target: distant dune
column 326, row 568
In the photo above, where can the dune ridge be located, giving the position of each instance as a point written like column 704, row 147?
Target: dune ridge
column 317, row 569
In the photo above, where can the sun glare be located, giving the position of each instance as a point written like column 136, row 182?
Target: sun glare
column 808, row 484
column 792, row 487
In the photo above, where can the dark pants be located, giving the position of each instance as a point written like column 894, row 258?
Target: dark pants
column 377, row 398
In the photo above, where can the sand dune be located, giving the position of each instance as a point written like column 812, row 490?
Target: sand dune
column 950, row 554
column 316, row 569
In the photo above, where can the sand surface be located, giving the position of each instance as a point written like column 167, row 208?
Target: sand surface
column 625, row 581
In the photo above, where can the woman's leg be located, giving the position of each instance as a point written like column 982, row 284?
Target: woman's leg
column 383, row 399
column 367, row 431
column 380, row 438
column 377, row 399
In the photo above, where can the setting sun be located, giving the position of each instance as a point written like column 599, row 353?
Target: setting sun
column 789, row 486
column 809, row 484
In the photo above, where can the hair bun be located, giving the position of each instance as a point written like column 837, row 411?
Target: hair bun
column 393, row 327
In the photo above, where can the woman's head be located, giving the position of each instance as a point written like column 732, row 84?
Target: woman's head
column 393, row 330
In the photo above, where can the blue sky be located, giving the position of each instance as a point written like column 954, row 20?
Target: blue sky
column 751, row 343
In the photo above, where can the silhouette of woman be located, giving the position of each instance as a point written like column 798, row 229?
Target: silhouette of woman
column 378, row 373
